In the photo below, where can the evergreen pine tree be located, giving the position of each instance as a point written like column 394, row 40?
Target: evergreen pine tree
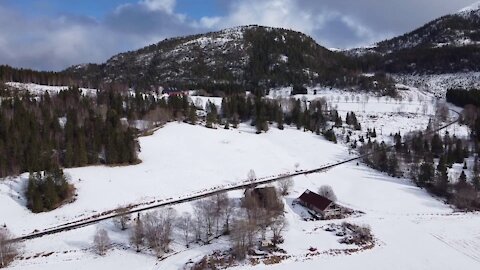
column 235, row 120
column 330, row 135
column 299, row 121
column 437, row 145
column 50, row 198
column 280, row 119
column 426, row 174
column 260, row 121
column 211, row 115
column 338, row 120
column 392, row 164
column 462, row 178
column 348, row 120
column 81, row 153
column 192, row 115
column 458, row 153
column 441, row 177
column 37, row 203
column 476, row 182
column 398, row 141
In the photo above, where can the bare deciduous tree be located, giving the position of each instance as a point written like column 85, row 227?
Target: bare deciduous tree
column 137, row 234
column 441, row 111
column 158, row 116
column 251, row 205
column 285, row 185
column 273, row 202
column 264, row 220
column 227, row 214
column 158, row 228
column 101, row 242
column 197, row 227
column 8, row 249
column 278, row 226
column 221, row 202
column 185, row 224
column 242, row 238
column 327, row 192
column 251, row 176
column 205, row 213
column 121, row 221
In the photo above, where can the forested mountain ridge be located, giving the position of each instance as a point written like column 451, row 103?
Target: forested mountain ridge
column 245, row 57
column 455, row 30
column 449, row 44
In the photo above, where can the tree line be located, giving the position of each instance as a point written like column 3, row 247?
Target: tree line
column 11, row 74
column 426, row 158
column 305, row 115
column 463, row 97
column 71, row 129
column 65, row 130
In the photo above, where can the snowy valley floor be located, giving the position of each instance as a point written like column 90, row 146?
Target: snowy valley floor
column 413, row 230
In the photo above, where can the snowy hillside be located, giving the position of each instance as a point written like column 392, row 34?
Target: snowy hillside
column 457, row 29
column 448, row 44
column 37, row 89
column 439, row 84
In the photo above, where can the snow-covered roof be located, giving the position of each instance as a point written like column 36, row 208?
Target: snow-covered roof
column 313, row 199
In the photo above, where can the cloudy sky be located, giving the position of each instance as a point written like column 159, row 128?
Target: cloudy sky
column 54, row 34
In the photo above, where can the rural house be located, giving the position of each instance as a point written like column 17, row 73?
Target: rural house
column 319, row 204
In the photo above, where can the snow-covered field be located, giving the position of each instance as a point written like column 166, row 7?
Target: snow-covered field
column 439, row 84
column 411, row 111
column 177, row 160
column 413, row 230
column 38, row 89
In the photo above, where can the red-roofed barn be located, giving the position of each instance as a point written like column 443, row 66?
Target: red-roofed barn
column 321, row 205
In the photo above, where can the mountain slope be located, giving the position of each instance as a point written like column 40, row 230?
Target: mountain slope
column 448, row 44
column 249, row 56
column 456, row 30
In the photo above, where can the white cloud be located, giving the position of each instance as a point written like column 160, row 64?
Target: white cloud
column 160, row 5
column 278, row 13
column 291, row 14
column 56, row 43
column 208, row 22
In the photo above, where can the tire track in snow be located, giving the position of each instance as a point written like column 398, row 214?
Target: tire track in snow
column 475, row 257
